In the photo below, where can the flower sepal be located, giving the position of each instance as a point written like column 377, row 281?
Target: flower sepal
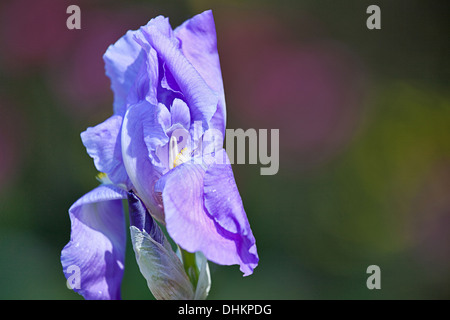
column 161, row 267
column 169, row 275
column 197, row 269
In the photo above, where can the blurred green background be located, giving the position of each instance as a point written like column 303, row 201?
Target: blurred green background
column 364, row 120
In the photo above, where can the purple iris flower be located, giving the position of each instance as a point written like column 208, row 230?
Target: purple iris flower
column 163, row 146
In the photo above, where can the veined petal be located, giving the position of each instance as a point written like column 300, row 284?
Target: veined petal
column 201, row 100
column 199, row 45
column 168, row 82
column 97, row 243
column 102, row 143
column 223, row 202
column 147, row 84
column 142, row 174
column 187, row 222
column 123, row 61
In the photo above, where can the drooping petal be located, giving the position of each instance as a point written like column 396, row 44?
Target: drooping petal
column 97, row 243
column 187, row 222
column 123, row 61
column 102, row 143
column 157, row 262
column 142, row 174
column 201, row 100
column 199, row 45
column 223, row 202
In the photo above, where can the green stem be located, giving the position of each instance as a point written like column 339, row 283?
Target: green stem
column 190, row 266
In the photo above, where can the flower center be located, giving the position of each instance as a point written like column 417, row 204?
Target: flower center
column 103, row 178
column 177, row 157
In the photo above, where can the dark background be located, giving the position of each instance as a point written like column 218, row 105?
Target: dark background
column 364, row 120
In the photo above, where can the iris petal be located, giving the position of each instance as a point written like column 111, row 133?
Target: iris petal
column 102, row 143
column 97, row 243
column 142, row 174
column 224, row 204
column 179, row 112
column 199, row 45
column 201, row 100
column 123, row 62
column 194, row 228
column 141, row 219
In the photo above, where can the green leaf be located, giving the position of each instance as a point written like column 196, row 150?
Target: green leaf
column 204, row 278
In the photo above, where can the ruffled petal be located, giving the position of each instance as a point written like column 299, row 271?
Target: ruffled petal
column 201, row 100
column 223, row 202
column 187, row 221
column 97, row 243
column 102, row 143
column 147, row 84
column 199, row 45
